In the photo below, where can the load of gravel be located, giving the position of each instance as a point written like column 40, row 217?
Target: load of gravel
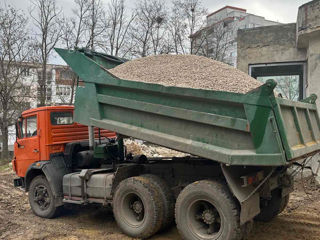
column 186, row 71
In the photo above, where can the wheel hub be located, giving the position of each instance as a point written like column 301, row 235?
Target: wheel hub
column 137, row 207
column 208, row 216
column 42, row 197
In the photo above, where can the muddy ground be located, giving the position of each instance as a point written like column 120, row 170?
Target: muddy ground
column 301, row 220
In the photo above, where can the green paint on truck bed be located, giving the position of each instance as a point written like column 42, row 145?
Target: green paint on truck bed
column 237, row 129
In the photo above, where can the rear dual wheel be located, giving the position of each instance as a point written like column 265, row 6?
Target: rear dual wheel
column 272, row 207
column 205, row 210
column 142, row 205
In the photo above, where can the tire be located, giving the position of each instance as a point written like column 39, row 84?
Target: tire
column 41, row 198
column 167, row 198
column 271, row 208
column 206, row 210
column 284, row 203
column 138, row 207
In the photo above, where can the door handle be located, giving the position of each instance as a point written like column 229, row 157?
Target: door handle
column 35, row 150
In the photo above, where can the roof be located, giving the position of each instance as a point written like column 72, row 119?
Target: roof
column 60, row 107
column 231, row 7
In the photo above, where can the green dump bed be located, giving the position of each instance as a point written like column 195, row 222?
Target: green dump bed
column 256, row 128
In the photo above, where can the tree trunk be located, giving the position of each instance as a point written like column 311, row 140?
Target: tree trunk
column 43, row 82
column 74, row 79
column 5, row 148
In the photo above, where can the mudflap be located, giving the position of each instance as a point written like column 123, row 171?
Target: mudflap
column 54, row 171
column 249, row 201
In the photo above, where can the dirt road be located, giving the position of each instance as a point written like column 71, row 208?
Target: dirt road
column 300, row 221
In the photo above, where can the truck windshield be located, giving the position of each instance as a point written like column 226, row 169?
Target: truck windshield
column 61, row 118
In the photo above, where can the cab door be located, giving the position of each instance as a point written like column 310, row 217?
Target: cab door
column 27, row 146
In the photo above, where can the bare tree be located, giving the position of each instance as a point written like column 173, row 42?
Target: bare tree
column 214, row 41
column 191, row 15
column 117, row 24
column 94, row 22
column 149, row 15
column 73, row 34
column 46, row 19
column 14, row 52
column 78, row 23
column 219, row 41
column 159, row 40
column 178, row 31
column 288, row 86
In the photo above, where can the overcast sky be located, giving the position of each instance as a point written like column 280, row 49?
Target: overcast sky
column 284, row 11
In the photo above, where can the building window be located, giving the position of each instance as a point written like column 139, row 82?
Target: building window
column 63, row 91
column 289, row 77
column 66, row 75
column 287, row 86
column 24, row 71
column 49, row 94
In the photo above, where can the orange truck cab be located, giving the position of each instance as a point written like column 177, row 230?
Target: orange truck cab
column 45, row 132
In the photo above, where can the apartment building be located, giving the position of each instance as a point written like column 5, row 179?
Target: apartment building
column 60, row 80
column 218, row 39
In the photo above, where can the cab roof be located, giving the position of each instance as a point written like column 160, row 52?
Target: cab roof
column 48, row 108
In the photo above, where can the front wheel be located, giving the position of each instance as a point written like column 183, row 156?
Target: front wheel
column 205, row 210
column 41, row 198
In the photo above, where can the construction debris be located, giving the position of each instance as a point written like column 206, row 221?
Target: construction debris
column 186, row 71
column 138, row 147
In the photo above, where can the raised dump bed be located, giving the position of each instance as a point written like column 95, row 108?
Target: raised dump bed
column 255, row 129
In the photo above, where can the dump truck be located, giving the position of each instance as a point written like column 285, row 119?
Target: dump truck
column 239, row 151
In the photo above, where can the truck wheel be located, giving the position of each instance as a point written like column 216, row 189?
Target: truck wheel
column 284, row 203
column 271, row 208
column 206, row 210
column 166, row 197
column 41, row 198
column 137, row 207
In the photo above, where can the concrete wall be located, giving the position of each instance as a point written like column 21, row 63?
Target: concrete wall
column 286, row 43
column 308, row 23
column 313, row 80
column 308, row 37
column 269, row 44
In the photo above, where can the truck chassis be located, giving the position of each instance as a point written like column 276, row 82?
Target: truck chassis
column 206, row 199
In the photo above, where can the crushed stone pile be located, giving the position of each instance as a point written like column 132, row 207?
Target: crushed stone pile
column 186, row 71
